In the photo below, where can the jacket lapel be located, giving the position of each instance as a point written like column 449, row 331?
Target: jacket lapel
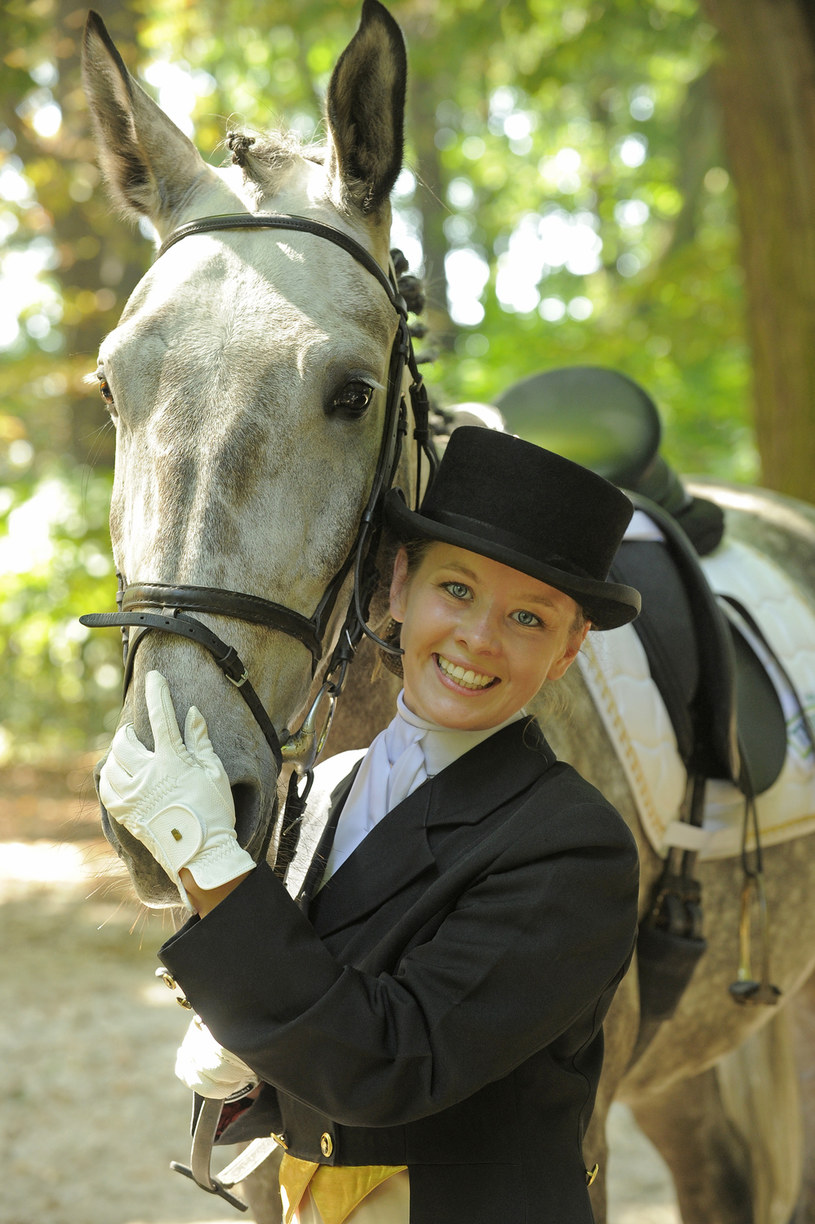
column 490, row 776
column 398, row 849
column 392, row 855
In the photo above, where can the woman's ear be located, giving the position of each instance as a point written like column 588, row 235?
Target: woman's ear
column 576, row 640
column 399, row 585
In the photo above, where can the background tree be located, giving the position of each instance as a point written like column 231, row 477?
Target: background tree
column 765, row 79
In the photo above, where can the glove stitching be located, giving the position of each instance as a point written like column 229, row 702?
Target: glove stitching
column 163, row 790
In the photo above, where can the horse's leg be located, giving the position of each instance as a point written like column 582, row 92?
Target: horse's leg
column 706, row 1155
column 802, row 1015
column 758, row 1083
column 261, row 1190
column 732, row 1135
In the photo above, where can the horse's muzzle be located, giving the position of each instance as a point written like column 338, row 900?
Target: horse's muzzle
column 255, row 818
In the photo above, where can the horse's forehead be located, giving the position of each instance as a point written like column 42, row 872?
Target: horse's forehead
column 291, row 291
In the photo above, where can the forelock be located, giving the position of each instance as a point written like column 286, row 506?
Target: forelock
column 266, row 159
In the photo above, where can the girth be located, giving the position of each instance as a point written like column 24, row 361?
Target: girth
column 729, row 724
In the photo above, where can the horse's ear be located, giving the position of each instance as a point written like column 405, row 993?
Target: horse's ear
column 149, row 164
column 365, row 106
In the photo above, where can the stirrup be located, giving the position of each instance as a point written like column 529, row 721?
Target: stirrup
column 203, row 1138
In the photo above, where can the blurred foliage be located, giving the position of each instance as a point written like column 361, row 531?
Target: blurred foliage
column 567, row 195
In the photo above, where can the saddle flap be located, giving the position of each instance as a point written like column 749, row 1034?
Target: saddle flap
column 762, row 725
column 723, row 706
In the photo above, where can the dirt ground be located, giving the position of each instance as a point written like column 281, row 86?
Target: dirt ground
column 91, row 1114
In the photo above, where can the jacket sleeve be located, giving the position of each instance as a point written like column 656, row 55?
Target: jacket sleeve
column 518, row 961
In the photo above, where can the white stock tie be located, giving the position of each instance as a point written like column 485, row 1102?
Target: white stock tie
column 408, row 751
column 404, row 743
column 391, row 769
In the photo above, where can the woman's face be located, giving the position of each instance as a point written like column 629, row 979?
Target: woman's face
column 479, row 638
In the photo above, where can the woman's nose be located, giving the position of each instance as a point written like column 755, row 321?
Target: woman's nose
column 479, row 631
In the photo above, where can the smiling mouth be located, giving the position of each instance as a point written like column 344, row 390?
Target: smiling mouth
column 464, row 677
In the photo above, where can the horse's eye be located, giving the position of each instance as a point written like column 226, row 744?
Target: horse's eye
column 104, row 387
column 353, row 400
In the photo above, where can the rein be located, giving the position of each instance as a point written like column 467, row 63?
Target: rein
column 166, row 607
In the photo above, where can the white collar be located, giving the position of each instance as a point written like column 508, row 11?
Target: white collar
column 443, row 745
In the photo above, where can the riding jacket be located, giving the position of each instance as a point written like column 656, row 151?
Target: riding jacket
column 439, row 1002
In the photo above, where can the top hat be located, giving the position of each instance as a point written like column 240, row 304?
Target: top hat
column 507, row 499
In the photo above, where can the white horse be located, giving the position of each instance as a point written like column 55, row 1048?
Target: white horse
column 248, row 379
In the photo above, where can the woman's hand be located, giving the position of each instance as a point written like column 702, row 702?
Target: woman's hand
column 176, row 800
column 210, row 1070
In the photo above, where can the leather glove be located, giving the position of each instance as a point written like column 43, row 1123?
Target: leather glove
column 176, row 800
column 210, row 1070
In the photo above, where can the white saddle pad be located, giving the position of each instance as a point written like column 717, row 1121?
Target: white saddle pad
column 614, row 667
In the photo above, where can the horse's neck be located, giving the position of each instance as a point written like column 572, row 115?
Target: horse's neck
column 367, row 704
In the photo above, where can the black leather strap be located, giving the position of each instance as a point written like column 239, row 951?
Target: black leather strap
column 224, row 655
column 288, row 221
column 236, row 604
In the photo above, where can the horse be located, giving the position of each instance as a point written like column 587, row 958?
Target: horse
column 264, row 393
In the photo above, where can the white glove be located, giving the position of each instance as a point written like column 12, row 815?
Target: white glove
column 209, row 1069
column 176, row 800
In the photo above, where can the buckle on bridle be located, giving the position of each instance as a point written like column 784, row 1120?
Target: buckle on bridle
column 233, row 667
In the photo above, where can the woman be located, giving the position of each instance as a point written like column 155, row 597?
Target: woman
column 425, row 1020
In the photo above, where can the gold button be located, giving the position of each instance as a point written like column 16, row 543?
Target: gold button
column 591, row 1174
column 171, row 984
column 326, row 1144
column 280, row 1140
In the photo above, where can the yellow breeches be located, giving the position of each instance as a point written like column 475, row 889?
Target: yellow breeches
column 336, row 1190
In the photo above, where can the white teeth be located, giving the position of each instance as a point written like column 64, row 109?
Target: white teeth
column 465, row 677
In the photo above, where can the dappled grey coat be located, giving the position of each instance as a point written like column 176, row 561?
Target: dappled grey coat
column 439, row 1002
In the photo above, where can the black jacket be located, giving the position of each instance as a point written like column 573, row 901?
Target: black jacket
column 440, row 1003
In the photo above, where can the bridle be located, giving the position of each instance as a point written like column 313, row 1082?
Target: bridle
column 166, row 607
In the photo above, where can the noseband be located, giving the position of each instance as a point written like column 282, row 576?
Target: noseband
column 166, row 607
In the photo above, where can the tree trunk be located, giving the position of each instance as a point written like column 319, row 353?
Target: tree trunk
column 423, row 96
column 766, row 84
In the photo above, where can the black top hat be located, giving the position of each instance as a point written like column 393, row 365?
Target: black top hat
column 524, row 506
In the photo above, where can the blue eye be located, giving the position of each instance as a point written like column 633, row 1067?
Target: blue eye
column 458, row 590
column 527, row 619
